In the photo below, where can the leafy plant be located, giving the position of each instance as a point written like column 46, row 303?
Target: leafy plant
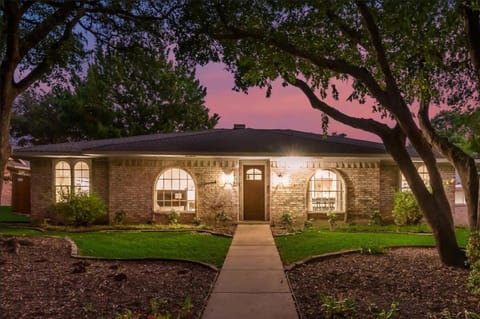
column 308, row 223
column 332, row 220
column 79, row 209
column 286, row 220
column 473, row 255
column 119, row 218
column 197, row 221
column 391, row 313
column 157, row 312
column 372, row 250
column 338, row 308
column 221, row 217
column 461, row 315
column 405, row 209
column 172, row 218
column 376, row 218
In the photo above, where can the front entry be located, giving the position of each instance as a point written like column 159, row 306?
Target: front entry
column 253, row 192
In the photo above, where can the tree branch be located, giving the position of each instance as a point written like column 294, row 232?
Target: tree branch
column 47, row 62
column 368, row 125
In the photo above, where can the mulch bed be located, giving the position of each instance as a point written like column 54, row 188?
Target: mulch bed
column 42, row 280
column 411, row 277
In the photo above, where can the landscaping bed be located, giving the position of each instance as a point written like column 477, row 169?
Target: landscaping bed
column 411, row 277
column 44, row 281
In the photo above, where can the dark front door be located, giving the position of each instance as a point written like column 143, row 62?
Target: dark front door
column 253, row 192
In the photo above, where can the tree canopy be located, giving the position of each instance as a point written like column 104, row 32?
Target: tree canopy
column 394, row 53
column 127, row 92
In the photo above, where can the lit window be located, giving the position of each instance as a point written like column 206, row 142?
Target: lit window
column 423, row 172
column 81, row 177
column 175, row 190
column 67, row 179
column 254, row 174
column 326, row 192
column 63, row 180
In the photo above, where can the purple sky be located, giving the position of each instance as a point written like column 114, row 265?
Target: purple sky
column 287, row 108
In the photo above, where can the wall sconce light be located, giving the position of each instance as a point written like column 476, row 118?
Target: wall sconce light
column 227, row 180
column 281, row 180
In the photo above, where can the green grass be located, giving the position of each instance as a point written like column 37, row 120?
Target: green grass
column 201, row 247
column 7, row 216
column 316, row 242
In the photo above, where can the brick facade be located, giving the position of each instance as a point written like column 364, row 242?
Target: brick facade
column 128, row 184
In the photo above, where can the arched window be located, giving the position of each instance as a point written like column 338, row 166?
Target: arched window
column 81, row 176
column 175, row 190
column 63, row 180
column 326, row 192
column 423, row 172
column 254, row 174
column 68, row 178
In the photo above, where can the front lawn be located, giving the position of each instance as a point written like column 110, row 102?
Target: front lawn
column 201, row 247
column 7, row 216
column 316, row 242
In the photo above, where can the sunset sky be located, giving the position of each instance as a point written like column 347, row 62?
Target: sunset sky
column 287, row 108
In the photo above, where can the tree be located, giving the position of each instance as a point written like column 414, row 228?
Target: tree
column 393, row 52
column 129, row 92
column 461, row 127
column 47, row 40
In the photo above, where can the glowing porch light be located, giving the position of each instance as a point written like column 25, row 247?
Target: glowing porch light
column 281, row 180
column 227, row 179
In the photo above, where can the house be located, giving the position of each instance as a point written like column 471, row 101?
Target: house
column 16, row 186
column 242, row 173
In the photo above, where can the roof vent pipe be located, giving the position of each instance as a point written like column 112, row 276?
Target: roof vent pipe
column 238, row 126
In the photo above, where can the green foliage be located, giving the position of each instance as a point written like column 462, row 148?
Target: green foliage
column 287, row 220
column 375, row 218
column 372, row 250
column 173, row 218
column 332, row 220
column 338, row 308
column 221, row 218
column 79, row 209
column 461, row 127
column 308, row 224
column 391, row 313
column 119, row 217
column 473, row 255
column 405, row 209
column 130, row 92
column 461, row 315
column 197, row 221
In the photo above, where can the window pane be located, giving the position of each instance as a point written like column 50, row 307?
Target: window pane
column 81, row 177
column 326, row 192
column 175, row 190
column 63, row 180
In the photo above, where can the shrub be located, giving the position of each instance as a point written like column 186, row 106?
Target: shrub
column 332, row 220
column 80, row 209
column 221, row 218
column 473, row 255
column 119, row 218
column 372, row 250
column 405, row 209
column 197, row 221
column 172, row 218
column 286, row 220
column 376, row 218
column 308, row 224
column 338, row 308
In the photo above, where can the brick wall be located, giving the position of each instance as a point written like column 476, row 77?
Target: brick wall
column 99, row 177
column 6, row 198
column 41, row 182
column 137, row 200
column 389, row 184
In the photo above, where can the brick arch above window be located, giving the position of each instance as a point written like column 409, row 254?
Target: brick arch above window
column 326, row 192
column 175, row 190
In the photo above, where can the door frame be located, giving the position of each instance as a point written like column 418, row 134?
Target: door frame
column 266, row 165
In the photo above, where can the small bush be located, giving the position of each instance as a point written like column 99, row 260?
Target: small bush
column 372, row 250
column 405, row 209
column 338, row 308
column 172, row 218
column 197, row 221
column 286, row 220
column 473, row 255
column 308, row 224
column 221, row 218
column 119, row 218
column 332, row 220
column 376, row 218
column 80, row 209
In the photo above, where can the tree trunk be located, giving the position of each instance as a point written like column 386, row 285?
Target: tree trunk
column 438, row 216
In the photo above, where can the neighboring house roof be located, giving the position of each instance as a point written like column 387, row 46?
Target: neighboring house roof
column 219, row 142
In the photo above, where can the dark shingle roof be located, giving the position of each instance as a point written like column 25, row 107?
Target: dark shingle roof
column 220, row 142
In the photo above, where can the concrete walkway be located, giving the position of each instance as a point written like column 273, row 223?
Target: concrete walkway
column 252, row 283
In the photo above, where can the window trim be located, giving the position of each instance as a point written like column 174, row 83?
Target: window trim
column 343, row 193
column 158, row 209
column 72, row 163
